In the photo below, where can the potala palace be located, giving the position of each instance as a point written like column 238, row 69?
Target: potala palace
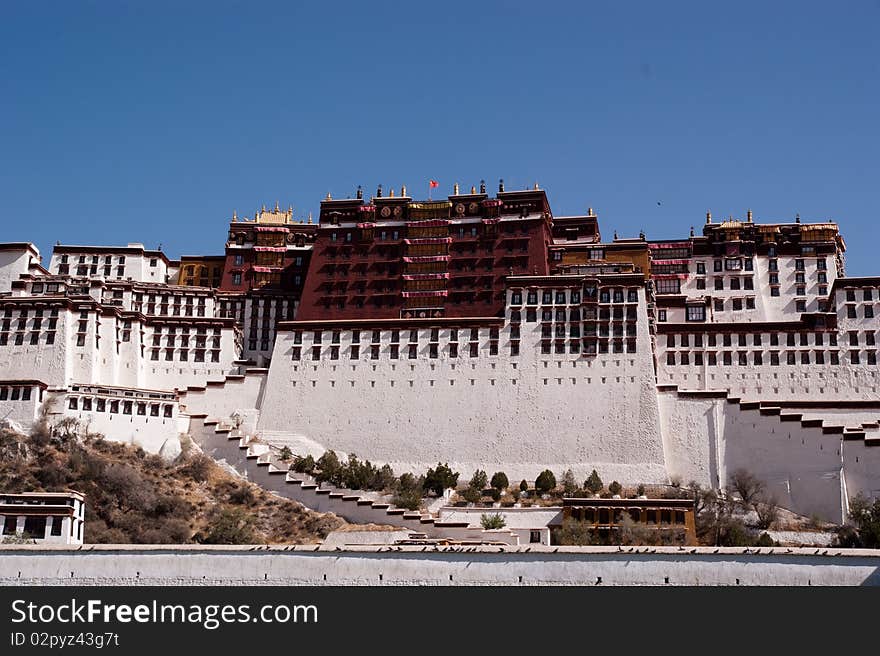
column 480, row 331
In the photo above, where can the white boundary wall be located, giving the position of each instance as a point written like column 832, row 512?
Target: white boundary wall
column 534, row 565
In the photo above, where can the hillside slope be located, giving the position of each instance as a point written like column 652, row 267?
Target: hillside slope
column 135, row 497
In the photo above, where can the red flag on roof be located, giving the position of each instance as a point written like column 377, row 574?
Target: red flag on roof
column 433, row 183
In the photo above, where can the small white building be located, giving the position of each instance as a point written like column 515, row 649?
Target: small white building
column 45, row 517
column 131, row 262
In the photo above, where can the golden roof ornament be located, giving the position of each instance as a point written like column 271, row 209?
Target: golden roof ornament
column 276, row 207
column 708, row 217
column 329, row 197
column 403, row 191
column 455, row 189
column 473, row 189
column 234, row 216
column 749, row 216
column 391, row 193
column 536, row 186
column 310, row 214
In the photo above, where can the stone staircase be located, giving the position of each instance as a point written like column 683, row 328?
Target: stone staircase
column 258, row 462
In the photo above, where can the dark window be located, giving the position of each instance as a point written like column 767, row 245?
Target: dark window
column 696, row 312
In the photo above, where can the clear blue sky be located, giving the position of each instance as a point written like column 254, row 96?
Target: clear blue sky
column 152, row 121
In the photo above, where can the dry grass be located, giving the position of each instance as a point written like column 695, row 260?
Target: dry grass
column 135, row 497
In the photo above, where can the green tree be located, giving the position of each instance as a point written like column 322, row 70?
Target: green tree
column 470, row 494
column 593, row 483
column 569, row 483
column 574, row 533
column 384, row 479
column 545, row 482
column 479, row 480
column 440, row 478
column 523, row 486
column 865, row 531
column 303, row 465
column 499, row 481
column 495, row 521
column 285, row 453
column 329, row 468
column 408, row 493
column 615, row 487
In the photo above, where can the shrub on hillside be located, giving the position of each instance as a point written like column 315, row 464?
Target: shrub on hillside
column 615, row 487
column 228, row 525
column 198, row 467
column 242, row 495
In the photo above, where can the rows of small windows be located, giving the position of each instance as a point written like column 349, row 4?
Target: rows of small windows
column 51, row 288
column 575, row 296
column 747, row 264
column 411, row 348
column 698, row 340
column 183, row 354
column 172, row 337
column 170, row 305
column 864, row 299
column 621, row 313
column 15, row 393
column 589, row 346
column 117, row 406
column 773, row 358
column 28, row 328
column 95, row 259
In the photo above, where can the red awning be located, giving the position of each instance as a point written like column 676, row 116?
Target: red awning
column 429, row 240
column 264, row 269
column 272, row 249
column 439, row 292
column 270, row 229
column 675, row 244
column 670, row 261
column 425, row 276
column 491, row 202
column 431, row 223
column 427, row 258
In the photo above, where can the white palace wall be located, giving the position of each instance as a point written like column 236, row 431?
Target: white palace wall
column 708, row 438
column 520, row 414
